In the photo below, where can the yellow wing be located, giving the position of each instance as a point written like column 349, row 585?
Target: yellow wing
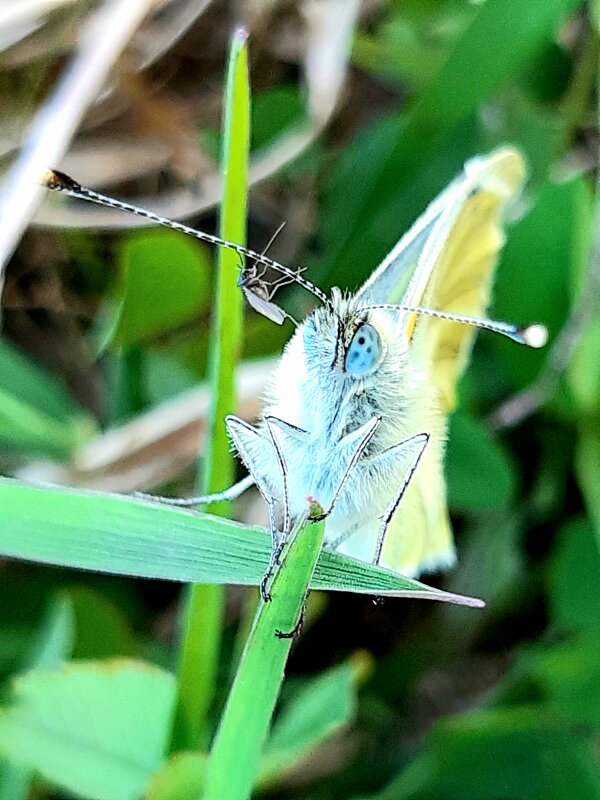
column 456, row 267
column 454, row 273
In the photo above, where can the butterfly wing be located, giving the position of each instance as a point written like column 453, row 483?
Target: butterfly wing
column 447, row 264
column 455, row 269
column 389, row 281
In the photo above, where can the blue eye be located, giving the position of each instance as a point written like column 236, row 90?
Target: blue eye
column 364, row 351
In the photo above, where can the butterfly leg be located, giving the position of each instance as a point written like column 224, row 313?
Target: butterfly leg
column 247, row 439
column 418, row 443
column 297, row 627
column 185, row 502
column 391, row 454
column 278, row 541
column 352, row 447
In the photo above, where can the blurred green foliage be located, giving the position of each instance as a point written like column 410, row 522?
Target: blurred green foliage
column 499, row 704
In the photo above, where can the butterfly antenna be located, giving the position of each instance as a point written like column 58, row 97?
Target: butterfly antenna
column 534, row 335
column 59, row 182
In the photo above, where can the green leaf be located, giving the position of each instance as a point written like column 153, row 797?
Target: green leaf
column 479, row 472
column 315, row 711
column 102, row 630
column 500, row 41
column 179, row 778
column 54, row 642
column 36, row 412
column 587, row 471
column 51, row 647
column 533, row 283
column 490, row 561
column 274, row 111
column 96, row 729
column 575, row 578
column 167, row 277
column 201, row 639
column 318, row 709
column 500, row 755
column 236, row 750
column 583, row 372
column 31, row 383
column 570, row 677
column 125, row 536
column 412, row 43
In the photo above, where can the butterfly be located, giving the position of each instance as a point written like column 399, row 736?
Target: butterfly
column 356, row 412
column 378, row 355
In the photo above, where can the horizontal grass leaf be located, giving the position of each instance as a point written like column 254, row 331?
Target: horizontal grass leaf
column 15, row 782
column 126, row 536
column 96, row 728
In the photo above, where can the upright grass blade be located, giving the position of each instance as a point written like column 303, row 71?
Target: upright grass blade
column 201, row 641
column 234, row 759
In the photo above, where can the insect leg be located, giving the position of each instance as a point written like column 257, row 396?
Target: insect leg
column 420, row 443
column 389, row 454
column 184, row 502
column 297, row 627
column 279, row 543
column 242, row 434
column 355, row 443
column 287, row 524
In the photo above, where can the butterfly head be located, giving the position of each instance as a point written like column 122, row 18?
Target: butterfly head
column 348, row 341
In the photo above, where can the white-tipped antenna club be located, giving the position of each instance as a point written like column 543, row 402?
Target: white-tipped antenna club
column 535, row 335
column 59, row 182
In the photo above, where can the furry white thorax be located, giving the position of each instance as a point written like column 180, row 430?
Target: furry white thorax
column 311, row 391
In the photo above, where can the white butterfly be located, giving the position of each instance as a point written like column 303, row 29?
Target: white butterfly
column 351, row 362
column 356, row 411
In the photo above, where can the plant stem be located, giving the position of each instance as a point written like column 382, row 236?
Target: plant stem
column 235, row 754
column 200, row 647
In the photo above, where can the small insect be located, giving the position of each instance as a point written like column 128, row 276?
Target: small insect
column 259, row 291
column 356, row 410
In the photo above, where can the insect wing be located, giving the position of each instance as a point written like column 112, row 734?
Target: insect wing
column 446, row 262
column 388, row 282
column 455, row 269
column 262, row 306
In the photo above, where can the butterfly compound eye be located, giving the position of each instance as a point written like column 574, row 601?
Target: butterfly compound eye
column 364, row 351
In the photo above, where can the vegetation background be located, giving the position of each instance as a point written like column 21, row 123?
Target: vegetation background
column 106, row 329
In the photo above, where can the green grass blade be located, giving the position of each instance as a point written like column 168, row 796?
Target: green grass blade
column 219, row 468
column 124, row 536
column 200, row 646
column 243, row 729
